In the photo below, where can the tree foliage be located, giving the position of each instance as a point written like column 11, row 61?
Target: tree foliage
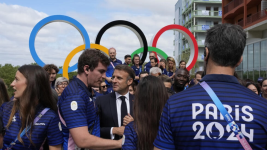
column 8, row 72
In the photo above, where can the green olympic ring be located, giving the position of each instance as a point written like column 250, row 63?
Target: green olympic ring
column 151, row 49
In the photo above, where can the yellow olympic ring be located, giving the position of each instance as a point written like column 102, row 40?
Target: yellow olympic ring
column 75, row 51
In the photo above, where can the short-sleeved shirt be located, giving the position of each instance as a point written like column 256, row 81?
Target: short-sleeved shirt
column 164, row 71
column 48, row 127
column 111, row 67
column 96, row 94
column 190, row 119
column 147, row 66
column 130, row 137
column 137, row 70
column 169, row 73
column 77, row 109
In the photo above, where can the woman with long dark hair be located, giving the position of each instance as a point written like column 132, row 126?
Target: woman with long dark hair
column 253, row 87
column 32, row 117
column 153, row 62
column 141, row 133
column 136, row 66
column 3, row 92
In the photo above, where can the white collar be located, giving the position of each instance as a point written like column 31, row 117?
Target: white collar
column 118, row 95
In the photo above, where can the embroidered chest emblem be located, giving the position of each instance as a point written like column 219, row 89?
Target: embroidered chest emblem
column 14, row 119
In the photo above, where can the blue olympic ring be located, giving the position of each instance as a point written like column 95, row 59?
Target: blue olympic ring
column 56, row 18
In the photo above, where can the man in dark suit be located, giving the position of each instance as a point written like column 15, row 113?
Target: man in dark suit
column 114, row 106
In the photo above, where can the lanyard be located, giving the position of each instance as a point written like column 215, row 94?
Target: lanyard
column 28, row 128
column 112, row 65
column 140, row 69
column 233, row 126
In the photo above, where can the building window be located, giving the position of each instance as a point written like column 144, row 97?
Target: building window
column 215, row 22
column 245, row 61
column 250, row 62
column 256, row 61
column 263, row 72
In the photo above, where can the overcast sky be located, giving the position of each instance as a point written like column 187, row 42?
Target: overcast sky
column 56, row 40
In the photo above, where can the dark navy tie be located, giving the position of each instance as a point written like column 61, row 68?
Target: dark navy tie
column 123, row 108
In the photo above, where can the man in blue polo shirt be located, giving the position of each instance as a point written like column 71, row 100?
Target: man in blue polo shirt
column 77, row 111
column 127, row 60
column 113, row 63
column 191, row 120
column 181, row 79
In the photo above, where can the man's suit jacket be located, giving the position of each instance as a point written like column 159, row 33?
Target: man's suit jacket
column 107, row 109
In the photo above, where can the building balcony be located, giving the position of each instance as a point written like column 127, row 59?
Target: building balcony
column 206, row 13
column 187, row 4
column 232, row 5
column 255, row 18
column 241, row 23
column 201, row 28
column 201, row 43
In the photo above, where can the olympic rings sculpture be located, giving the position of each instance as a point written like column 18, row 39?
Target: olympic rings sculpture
column 142, row 39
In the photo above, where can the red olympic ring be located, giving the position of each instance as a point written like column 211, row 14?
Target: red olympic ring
column 188, row 35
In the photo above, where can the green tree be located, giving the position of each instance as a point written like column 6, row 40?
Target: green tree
column 7, row 73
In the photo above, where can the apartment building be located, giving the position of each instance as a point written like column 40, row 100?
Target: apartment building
column 252, row 16
column 198, row 16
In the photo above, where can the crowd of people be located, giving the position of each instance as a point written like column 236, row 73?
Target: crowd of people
column 115, row 105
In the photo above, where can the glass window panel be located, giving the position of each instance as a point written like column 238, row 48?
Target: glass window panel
column 263, row 72
column 244, row 64
column 239, row 74
column 244, row 74
column 245, row 59
column 256, row 74
column 250, row 57
column 264, row 54
column 257, row 56
column 250, row 75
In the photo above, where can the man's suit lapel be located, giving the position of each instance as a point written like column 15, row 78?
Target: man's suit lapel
column 131, row 98
column 113, row 107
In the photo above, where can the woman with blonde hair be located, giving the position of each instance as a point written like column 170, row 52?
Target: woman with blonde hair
column 171, row 67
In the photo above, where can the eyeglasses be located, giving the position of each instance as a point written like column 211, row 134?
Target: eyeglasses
column 63, row 84
column 104, row 86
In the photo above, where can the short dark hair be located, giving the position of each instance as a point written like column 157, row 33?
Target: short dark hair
column 135, row 55
column 199, row 72
column 49, row 67
column 92, row 57
column 226, row 44
column 127, row 69
column 163, row 60
column 155, row 59
column 165, row 78
column 143, row 72
column 126, row 56
column 176, row 73
column 181, row 62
